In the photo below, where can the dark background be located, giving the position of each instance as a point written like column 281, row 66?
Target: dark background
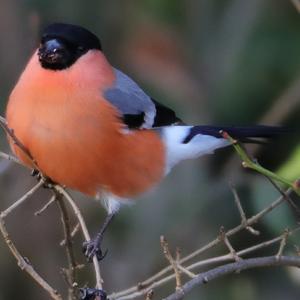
column 214, row 62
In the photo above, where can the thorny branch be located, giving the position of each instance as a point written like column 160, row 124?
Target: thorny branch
column 178, row 266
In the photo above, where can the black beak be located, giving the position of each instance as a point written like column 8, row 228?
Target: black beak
column 52, row 52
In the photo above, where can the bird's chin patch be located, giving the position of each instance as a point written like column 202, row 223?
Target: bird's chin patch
column 54, row 65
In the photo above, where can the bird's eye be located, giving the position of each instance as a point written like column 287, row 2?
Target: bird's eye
column 80, row 49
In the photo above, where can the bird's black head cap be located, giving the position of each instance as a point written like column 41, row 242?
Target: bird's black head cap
column 62, row 44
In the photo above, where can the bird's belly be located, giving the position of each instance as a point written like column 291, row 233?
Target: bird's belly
column 86, row 154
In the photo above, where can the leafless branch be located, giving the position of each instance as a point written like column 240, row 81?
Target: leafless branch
column 44, row 208
column 245, row 264
column 142, row 290
column 10, row 157
column 71, row 272
column 15, row 140
column 172, row 261
column 58, row 191
column 73, row 233
column 6, row 212
column 226, row 241
column 178, row 265
column 25, row 265
column 84, row 229
column 282, row 245
column 161, row 277
column 241, row 211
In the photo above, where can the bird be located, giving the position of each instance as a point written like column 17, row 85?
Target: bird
column 90, row 127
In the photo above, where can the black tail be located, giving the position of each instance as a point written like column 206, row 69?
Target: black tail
column 247, row 134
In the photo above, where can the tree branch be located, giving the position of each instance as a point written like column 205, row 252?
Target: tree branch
column 71, row 272
column 84, row 229
column 6, row 212
column 156, row 280
column 56, row 188
column 25, row 265
column 245, row 264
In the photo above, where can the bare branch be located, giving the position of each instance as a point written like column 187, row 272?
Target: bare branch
column 287, row 197
column 6, row 212
column 282, row 245
column 44, row 208
column 73, row 233
column 172, row 261
column 10, row 157
column 245, row 264
column 71, row 272
column 206, row 262
column 85, row 232
column 241, row 211
column 226, row 241
column 154, row 281
column 25, row 265
column 58, row 189
column 10, row 132
column 186, row 271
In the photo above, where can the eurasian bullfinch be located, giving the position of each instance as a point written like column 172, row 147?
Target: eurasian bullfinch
column 90, row 127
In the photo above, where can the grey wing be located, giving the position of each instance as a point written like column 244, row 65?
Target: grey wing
column 136, row 106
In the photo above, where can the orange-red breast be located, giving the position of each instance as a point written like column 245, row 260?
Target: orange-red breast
column 92, row 128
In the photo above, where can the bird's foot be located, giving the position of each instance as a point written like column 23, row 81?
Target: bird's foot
column 47, row 182
column 91, row 294
column 92, row 248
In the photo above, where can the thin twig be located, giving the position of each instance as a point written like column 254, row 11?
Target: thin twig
column 245, row 264
column 6, row 212
column 60, row 190
column 10, row 132
column 248, row 162
column 287, row 197
column 73, row 233
column 186, row 271
column 10, row 158
column 203, row 263
column 85, row 232
column 152, row 281
column 241, row 210
column 282, row 245
column 226, row 241
column 44, row 208
column 71, row 272
column 25, row 265
column 172, row 261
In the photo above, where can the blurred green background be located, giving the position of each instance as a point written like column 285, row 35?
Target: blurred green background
column 215, row 62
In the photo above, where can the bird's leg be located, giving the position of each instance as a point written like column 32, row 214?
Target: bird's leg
column 93, row 247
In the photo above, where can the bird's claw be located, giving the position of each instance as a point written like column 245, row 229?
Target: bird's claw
column 92, row 248
column 47, row 182
column 91, row 294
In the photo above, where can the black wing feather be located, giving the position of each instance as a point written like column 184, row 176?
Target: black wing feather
column 164, row 115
